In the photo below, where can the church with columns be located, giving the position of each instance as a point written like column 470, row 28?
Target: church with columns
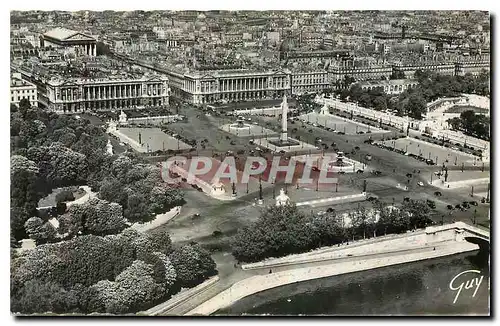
column 69, row 41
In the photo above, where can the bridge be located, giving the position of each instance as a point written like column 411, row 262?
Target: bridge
column 465, row 232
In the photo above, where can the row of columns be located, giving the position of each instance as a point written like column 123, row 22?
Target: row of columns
column 243, row 84
column 111, row 104
column 90, row 49
column 113, row 91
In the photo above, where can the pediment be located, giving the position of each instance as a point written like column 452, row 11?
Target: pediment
column 80, row 37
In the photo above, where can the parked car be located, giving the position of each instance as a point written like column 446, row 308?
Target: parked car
column 360, row 171
column 406, row 199
column 438, row 193
column 431, row 204
column 473, row 203
column 450, row 207
column 420, row 183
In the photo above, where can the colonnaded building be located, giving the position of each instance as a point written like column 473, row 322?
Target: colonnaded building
column 69, row 41
column 200, row 87
column 81, row 94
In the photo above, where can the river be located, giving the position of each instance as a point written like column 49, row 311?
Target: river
column 409, row 289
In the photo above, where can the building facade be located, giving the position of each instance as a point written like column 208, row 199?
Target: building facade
column 70, row 41
column 79, row 95
column 205, row 87
column 21, row 89
column 309, row 81
column 391, row 87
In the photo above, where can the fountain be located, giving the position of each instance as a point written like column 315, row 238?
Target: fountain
column 240, row 124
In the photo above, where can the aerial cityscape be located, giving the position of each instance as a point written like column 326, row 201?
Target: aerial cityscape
column 236, row 163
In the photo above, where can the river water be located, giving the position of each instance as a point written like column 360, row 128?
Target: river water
column 408, row 289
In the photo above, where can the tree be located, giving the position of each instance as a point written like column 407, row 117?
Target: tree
column 40, row 231
column 418, row 212
column 38, row 297
column 25, row 192
column 59, row 165
column 96, row 216
column 278, row 231
column 192, row 264
column 133, row 290
column 416, row 107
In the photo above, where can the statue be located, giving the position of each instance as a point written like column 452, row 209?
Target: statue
column 282, row 199
column 122, row 118
column 109, row 148
column 325, row 110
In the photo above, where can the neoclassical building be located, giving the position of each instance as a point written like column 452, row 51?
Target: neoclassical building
column 69, row 41
column 83, row 94
column 203, row 87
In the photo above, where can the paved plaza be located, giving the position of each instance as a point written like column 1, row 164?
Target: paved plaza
column 339, row 123
column 434, row 152
column 152, row 139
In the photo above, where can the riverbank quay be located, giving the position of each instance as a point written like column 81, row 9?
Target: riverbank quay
column 433, row 242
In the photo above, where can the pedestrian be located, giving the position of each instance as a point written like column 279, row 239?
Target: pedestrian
column 270, row 271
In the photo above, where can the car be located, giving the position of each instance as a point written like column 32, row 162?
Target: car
column 330, row 210
column 341, row 172
column 315, row 168
column 232, row 142
column 314, row 124
column 458, row 206
column 356, row 148
column 310, row 130
column 465, row 205
column 368, row 157
column 431, row 204
column 371, row 198
column 341, row 133
column 377, row 172
column 473, row 203
column 450, row 207
column 406, row 199
column 409, row 175
column 438, row 193
column 420, row 183
column 360, row 171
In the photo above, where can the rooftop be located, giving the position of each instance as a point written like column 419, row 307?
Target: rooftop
column 62, row 34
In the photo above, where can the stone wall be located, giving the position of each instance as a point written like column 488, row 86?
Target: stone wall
column 260, row 283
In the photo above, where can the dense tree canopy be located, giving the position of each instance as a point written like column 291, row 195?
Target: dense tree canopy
column 413, row 101
column 472, row 124
column 284, row 230
column 120, row 273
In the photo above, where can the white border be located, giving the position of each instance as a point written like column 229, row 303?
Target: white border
column 194, row 5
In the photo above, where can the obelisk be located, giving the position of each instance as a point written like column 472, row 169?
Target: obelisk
column 284, row 114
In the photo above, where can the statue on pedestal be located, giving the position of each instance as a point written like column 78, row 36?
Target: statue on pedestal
column 122, row 118
column 282, row 199
column 109, row 148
